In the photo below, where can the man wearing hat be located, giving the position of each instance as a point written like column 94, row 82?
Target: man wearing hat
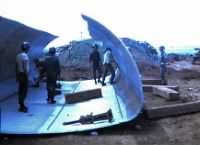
column 162, row 65
column 22, row 75
column 95, row 61
column 52, row 69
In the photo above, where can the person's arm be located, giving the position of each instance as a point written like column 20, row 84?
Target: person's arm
column 90, row 58
column 16, row 71
column 44, row 69
column 59, row 68
column 25, row 68
column 112, row 60
column 99, row 58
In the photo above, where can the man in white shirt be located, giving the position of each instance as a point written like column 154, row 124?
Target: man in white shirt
column 108, row 66
column 22, row 74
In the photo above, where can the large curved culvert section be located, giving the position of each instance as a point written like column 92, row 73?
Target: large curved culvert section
column 124, row 99
column 129, row 87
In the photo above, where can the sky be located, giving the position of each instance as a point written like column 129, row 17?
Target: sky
column 159, row 22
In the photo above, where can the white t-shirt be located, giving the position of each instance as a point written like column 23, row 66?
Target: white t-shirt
column 106, row 57
column 21, row 57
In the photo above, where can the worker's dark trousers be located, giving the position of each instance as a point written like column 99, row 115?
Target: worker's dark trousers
column 51, row 87
column 96, row 68
column 162, row 73
column 23, row 88
column 108, row 68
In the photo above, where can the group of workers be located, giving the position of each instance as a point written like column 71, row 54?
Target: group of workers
column 96, row 63
column 51, row 67
column 95, row 59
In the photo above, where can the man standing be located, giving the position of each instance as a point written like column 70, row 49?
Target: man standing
column 108, row 66
column 162, row 65
column 52, row 69
column 22, row 75
column 95, row 61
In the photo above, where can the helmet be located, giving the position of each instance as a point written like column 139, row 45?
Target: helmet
column 108, row 49
column 25, row 46
column 161, row 48
column 52, row 50
column 95, row 46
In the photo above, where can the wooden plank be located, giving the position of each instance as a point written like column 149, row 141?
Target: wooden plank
column 166, row 93
column 83, row 95
column 171, row 110
column 149, row 88
column 151, row 81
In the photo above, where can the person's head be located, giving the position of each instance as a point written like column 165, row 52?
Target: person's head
column 162, row 48
column 52, row 51
column 25, row 46
column 108, row 49
column 95, row 47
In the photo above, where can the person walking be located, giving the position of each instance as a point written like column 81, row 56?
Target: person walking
column 95, row 61
column 108, row 67
column 22, row 75
column 52, row 69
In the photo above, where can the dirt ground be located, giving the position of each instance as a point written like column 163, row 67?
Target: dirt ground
column 182, row 129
